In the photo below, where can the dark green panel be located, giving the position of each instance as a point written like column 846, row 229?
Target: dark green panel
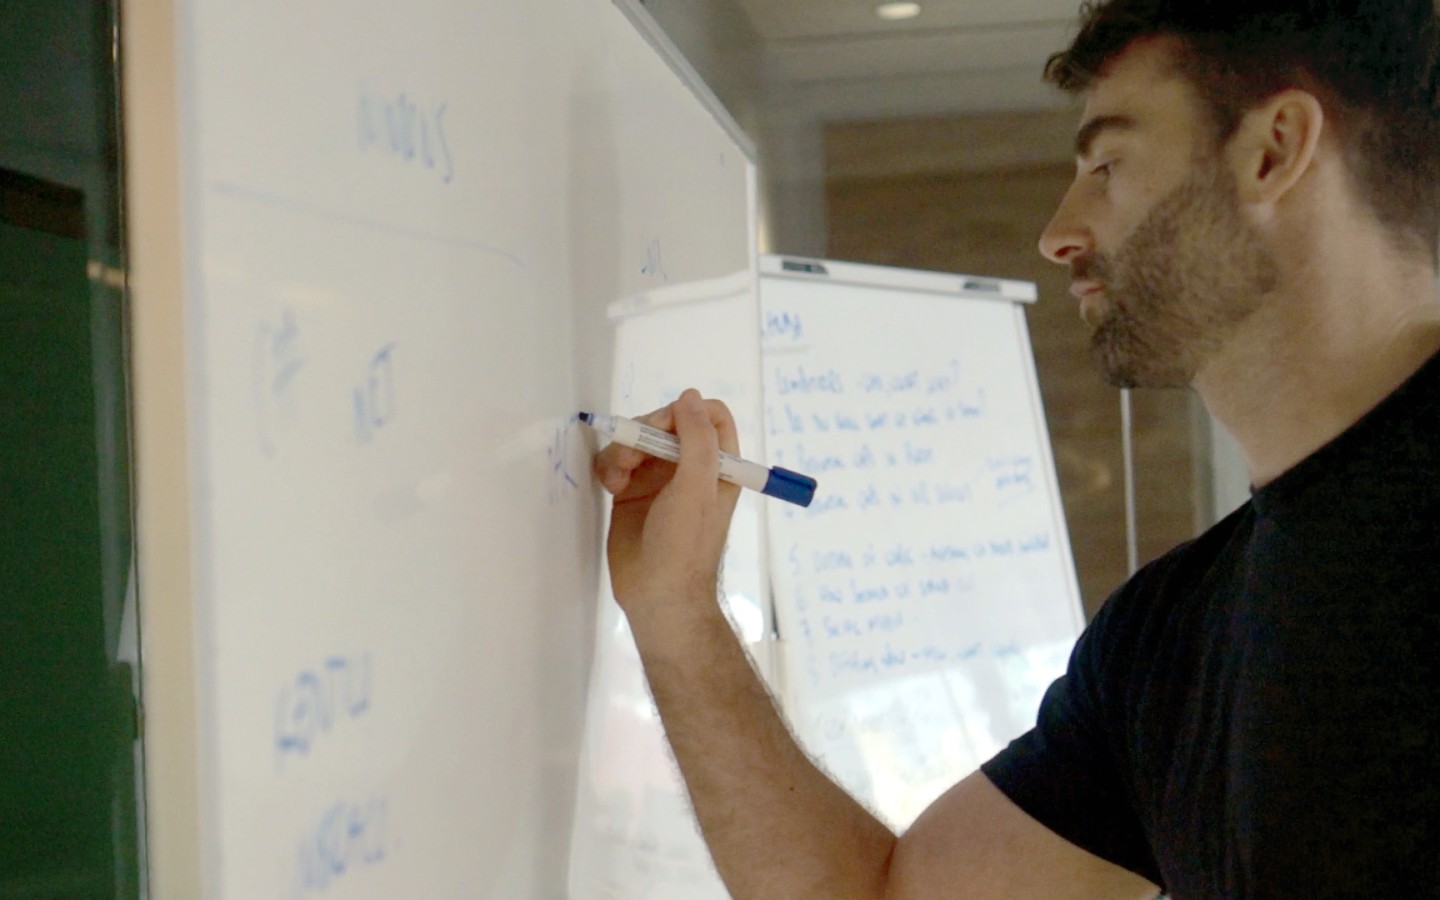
column 58, row 738
column 69, row 823
column 69, row 818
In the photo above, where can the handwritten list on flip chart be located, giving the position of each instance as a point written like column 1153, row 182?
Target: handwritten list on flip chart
column 929, row 589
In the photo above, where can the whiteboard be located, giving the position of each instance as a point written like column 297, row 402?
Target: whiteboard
column 635, row 835
column 403, row 229
column 928, row 596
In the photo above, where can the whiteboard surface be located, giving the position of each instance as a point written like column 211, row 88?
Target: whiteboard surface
column 635, row 835
column 404, row 228
column 927, row 597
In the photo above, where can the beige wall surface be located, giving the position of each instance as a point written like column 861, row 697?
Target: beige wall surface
column 153, row 217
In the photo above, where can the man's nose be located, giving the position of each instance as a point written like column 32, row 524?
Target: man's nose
column 1066, row 236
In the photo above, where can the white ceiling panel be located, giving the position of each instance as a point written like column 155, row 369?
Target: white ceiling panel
column 957, row 56
column 1021, row 49
column 951, row 93
column 787, row 20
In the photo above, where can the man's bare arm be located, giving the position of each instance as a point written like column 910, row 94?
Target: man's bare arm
column 776, row 825
column 974, row 842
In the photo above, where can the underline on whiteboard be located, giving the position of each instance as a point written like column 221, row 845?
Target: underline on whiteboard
column 289, row 204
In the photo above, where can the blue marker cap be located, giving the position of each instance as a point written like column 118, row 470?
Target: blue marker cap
column 790, row 486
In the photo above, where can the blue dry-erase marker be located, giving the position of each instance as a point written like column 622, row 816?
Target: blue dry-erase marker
column 774, row 481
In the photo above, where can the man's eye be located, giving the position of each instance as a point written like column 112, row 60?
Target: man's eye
column 1103, row 169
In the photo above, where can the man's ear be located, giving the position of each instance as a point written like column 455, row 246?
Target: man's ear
column 1275, row 144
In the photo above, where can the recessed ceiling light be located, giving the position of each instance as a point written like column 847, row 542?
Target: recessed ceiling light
column 895, row 11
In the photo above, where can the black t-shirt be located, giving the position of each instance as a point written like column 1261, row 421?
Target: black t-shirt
column 1254, row 714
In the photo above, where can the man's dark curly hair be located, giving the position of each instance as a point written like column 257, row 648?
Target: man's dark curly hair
column 1372, row 64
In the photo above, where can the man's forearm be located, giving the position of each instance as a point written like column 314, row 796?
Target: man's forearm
column 775, row 824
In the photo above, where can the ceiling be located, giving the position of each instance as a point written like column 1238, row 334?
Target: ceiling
column 841, row 61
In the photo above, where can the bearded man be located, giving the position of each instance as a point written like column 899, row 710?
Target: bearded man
column 1254, row 215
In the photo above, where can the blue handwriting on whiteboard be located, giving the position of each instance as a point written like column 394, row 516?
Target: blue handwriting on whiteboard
column 374, row 399
column 817, row 464
column 563, row 480
column 784, row 325
column 799, row 381
column 794, row 420
column 894, row 657
column 837, row 627
column 854, row 593
column 858, row 626
column 1012, row 476
column 277, row 363
column 916, row 455
column 923, row 416
column 940, row 384
column 315, row 702
column 347, row 837
column 1036, row 543
column 900, row 555
column 869, row 498
column 653, row 263
column 406, row 130
column 868, row 593
column 826, row 504
column 904, row 383
column 828, row 560
column 967, row 408
column 953, row 493
column 947, row 553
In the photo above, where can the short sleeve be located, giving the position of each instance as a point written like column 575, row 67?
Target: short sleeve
column 1064, row 772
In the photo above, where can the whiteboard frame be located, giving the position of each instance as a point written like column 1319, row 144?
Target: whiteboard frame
column 801, row 268
column 155, row 209
column 645, row 23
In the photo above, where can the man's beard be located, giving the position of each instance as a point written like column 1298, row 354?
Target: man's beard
column 1180, row 285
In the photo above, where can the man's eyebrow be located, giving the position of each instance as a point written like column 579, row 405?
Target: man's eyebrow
column 1093, row 128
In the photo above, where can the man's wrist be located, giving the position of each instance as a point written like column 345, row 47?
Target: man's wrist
column 669, row 617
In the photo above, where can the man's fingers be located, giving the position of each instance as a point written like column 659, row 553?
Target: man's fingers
column 662, row 418
column 710, row 428
column 724, row 424
column 615, row 464
column 699, row 441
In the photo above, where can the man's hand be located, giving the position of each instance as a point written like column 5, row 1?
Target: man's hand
column 668, row 528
